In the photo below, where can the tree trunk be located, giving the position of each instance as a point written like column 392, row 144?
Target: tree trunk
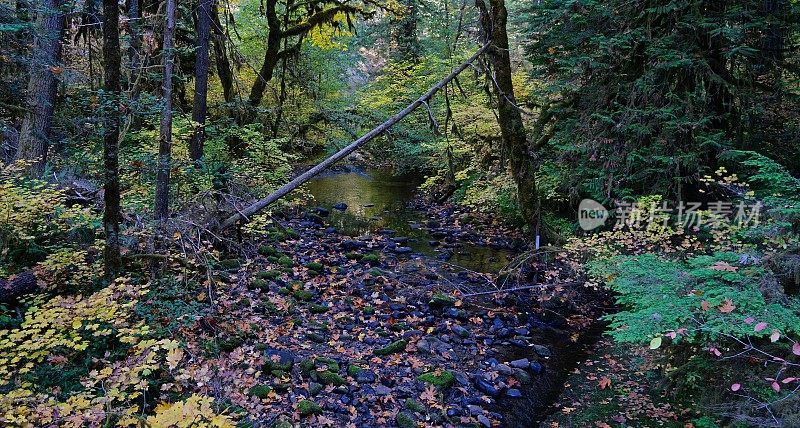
column 201, row 80
column 112, row 59
column 515, row 142
column 221, row 56
column 165, row 142
column 42, row 85
column 134, row 50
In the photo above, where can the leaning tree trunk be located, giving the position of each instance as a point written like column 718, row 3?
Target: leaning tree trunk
column 42, row 86
column 165, row 141
column 201, row 80
column 112, row 59
column 515, row 141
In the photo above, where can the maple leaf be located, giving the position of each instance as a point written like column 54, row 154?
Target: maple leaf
column 604, row 382
column 705, row 305
column 429, row 394
column 727, row 306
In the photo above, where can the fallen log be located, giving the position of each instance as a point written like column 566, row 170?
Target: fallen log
column 17, row 285
column 243, row 215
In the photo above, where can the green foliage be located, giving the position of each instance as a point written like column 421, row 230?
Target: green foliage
column 441, row 379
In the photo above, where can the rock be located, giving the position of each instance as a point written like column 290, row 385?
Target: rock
column 461, row 378
column 504, row 333
column 542, row 351
column 365, row 376
column 485, row 386
column 444, row 379
column 322, row 212
column 441, row 300
column 341, row 206
column 522, row 363
column 260, row 391
column 314, row 388
column 475, row 410
column 350, row 245
column 456, row 313
column 278, row 359
column 393, row 348
column 484, row 421
column 405, row 420
column 504, row 369
column 403, row 250
column 382, row 390
column 434, row 243
column 514, row 393
column 453, row 412
column 308, row 408
column 461, row 331
column 536, row 367
column 522, row 376
column 387, row 232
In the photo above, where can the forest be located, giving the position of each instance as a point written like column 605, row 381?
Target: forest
column 400, row 213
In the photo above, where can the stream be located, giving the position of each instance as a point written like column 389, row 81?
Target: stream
column 377, row 200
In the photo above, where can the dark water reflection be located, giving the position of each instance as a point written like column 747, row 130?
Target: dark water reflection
column 376, row 199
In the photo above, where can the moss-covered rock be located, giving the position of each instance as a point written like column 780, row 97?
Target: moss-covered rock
column 306, row 366
column 330, row 378
column 369, row 311
column 441, row 300
column 372, row 259
column 332, row 364
column 285, row 261
column 259, row 284
column 317, row 308
column 443, row 379
column 315, row 266
column 353, row 256
column 282, row 424
column 268, row 250
column 260, row 391
column 303, row 295
column 393, row 348
column 404, row 420
column 308, row 408
column 414, row 405
column 229, row 264
column 269, row 275
column 353, row 369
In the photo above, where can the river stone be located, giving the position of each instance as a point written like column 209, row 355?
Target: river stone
column 485, row 386
column 536, row 367
column 475, row 410
column 514, row 393
column 365, row 376
column 504, row 369
column 322, row 212
column 522, row 376
column 341, row 206
column 522, row 363
column 382, row 390
column 461, row 331
column 484, row 421
column 543, row 351
column 350, row 245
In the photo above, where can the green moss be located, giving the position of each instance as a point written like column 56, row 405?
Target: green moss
column 278, row 373
column 414, row 406
column 330, row 378
column 268, row 250
column 285, row 261
column 317, row 309
column 259, row 284
column 372, row 259
column 282, row 424
column 405, row 420
column 353, row 369
column 306, row 366
column 303, row 295
column 369, row 311
column 333, row 366
column 260, row 391
column 308, row 408
column 229, row 264
column 393, row 348
column 281, row 387
column 441, row 300
column 228, row 344
column 399, row 326
column 269, row 274
column 444, row 379
column 314, row 266
column 353, row 256
column 284, row 291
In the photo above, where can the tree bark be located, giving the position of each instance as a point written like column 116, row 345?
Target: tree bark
column 112, row 59
column 42, row 85
column 200, row 107
column 515, row 142
column 165, row 141
column 221, row 56
column 14, row 287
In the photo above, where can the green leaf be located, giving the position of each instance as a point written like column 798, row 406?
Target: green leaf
column 655, row 343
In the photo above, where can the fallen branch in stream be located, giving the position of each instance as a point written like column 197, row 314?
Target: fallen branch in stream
column 243, row 215
column 510, row 290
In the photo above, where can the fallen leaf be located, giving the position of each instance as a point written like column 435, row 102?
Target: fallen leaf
column 604, row 383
